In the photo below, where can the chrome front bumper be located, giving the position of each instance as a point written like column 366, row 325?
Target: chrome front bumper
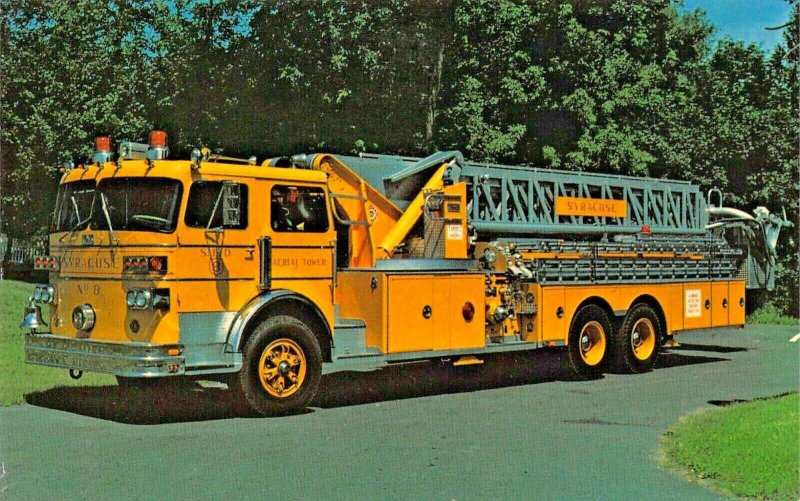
column 121, row 359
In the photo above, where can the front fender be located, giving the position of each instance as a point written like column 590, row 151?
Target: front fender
column 260, row 303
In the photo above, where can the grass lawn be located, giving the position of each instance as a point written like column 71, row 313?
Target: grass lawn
column 748, row 449
column 18, row 378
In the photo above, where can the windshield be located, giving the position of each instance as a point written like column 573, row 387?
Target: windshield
column 73, row 206
column 137, row 204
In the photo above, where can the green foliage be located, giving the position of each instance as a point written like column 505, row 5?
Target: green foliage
column 769, row 314
column 748, row 450
column 616, row 86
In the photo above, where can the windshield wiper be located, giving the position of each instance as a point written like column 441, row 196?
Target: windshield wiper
column 80, row 222
column 214, row 210
column 75, row 205
column 104, row 207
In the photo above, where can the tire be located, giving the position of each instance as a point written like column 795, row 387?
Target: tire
column 587, row 345
column 271, row 387
column 635, row 345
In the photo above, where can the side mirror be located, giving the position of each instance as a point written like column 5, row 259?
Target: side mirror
column 231, row 204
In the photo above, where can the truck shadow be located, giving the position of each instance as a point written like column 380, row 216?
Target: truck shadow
column 708, row 347
column 338, row 389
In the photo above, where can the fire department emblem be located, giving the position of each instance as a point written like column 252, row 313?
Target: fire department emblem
column 216, row 265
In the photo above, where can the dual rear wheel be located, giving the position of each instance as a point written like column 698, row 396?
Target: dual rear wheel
column 595, row 345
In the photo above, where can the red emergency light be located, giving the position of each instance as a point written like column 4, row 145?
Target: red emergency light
column 158, row 139
column 102, row 143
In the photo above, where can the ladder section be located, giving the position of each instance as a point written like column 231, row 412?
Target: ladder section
column 518, row 201
column 629, row 258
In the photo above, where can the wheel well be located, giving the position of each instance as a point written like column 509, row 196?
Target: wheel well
column 597, row 301
column 300, row 309
column 653, row 303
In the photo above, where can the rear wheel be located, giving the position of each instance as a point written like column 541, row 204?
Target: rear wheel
column 282, row 366
column 635, row 345
column 588, row 341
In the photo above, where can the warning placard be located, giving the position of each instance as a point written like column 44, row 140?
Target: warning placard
column 694, row 300
column 455, row 232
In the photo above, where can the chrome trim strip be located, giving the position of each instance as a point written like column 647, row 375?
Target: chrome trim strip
column 121, row 359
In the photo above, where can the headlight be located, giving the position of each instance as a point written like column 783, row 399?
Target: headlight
column 142, row 299
column 130, row 299
column 44, row 293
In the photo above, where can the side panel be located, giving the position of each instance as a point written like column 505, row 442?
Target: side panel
column 619, row 299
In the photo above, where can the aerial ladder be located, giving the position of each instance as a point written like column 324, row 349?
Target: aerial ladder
column 566, row 226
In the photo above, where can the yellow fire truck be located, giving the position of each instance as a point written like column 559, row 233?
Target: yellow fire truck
column 219, row 268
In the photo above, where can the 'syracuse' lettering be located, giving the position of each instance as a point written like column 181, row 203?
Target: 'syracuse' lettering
column 87, row 263
column 574, row 206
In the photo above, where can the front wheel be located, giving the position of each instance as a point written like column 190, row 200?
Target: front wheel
column 282, row 366
column 588, row 341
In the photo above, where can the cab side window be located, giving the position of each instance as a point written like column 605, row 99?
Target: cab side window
column 205, row 206
column 298, row 208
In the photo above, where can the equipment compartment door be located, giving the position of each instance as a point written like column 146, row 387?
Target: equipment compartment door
column 720, row 304
column 452, row 329
column 737, row 303
column 411, row 313
column 426, row 312
column 553, row 314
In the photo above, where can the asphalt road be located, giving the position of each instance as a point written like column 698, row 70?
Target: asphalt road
column 515, row 428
